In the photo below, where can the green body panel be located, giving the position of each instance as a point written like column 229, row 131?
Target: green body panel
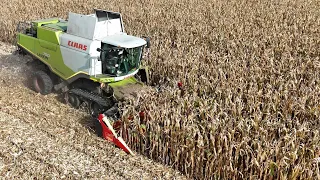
column 26, row 41
column 48, row 45
column 102, row 79
column 45, row 21
column 47, row 34
column 49, row 53
column 61, row 26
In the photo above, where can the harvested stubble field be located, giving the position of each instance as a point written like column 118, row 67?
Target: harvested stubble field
column 250, row 71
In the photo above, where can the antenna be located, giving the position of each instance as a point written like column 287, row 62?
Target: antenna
column 107, row 24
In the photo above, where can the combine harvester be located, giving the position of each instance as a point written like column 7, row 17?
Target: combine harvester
column 90, row 59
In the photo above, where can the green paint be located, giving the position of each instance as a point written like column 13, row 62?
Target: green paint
column 49, row 53
column 102, row 79
column 61, row 26
column 47, row 45
column 47, row 34
column 45, row 21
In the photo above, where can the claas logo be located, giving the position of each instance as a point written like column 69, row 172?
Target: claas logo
column 77, row 45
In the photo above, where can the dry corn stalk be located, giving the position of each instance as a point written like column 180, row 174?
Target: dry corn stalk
column 250, row 107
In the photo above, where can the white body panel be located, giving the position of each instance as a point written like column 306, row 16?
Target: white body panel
column 95, row 66
column 124, row 40
column 102, row 26
column 78, row 61
column 81, row 54
column 80, row 44
column 107, row 28
column 75, row 60
column 81, row 25
column 126, row 76
column 90, row 27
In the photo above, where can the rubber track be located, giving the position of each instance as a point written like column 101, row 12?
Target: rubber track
column 92, row 97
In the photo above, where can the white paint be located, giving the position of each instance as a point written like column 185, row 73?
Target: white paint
column 95, row 66
column 126, row 76
column 91, row 46
column 75, row 60
column 81, row 25
column 46, row 55
column 88, row 26
column 107, row 28
column 124, row 40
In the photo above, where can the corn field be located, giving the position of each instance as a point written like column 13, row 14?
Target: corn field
column 249, row 104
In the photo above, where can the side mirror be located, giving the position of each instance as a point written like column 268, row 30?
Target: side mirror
column 99, row 50
column 148, row 41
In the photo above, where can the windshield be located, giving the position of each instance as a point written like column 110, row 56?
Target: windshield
column 120, row 61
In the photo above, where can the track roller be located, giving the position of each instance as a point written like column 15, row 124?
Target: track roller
column 72, row 99
column 95, row 109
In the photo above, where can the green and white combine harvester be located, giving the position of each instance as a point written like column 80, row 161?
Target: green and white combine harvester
column 90, row 59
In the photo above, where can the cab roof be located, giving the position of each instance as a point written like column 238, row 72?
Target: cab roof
column 124, row 40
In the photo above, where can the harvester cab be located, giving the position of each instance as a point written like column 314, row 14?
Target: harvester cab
column 89, row 58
